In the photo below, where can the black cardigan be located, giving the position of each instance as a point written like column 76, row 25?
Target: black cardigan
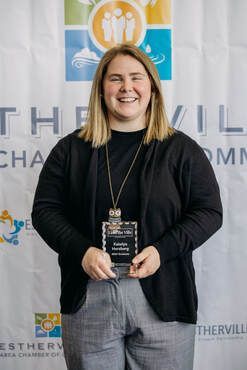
column 180, row 209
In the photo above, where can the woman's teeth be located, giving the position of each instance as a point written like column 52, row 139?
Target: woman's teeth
column 127, row 100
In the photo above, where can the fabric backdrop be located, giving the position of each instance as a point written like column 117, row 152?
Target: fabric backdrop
column 48, row 54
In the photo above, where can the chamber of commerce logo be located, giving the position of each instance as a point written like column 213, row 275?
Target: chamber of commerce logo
column 223, row 331
column 9, row 228
column 95, row 26
column 47, row 325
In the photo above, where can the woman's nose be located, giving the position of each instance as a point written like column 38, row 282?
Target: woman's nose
column 126, row 85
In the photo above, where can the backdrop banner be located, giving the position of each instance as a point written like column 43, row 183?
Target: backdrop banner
column 49, row 51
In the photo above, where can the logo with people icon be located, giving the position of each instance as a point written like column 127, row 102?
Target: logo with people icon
column 94, row 26
column 9, row 228
column 47, row 325
column 112, row 23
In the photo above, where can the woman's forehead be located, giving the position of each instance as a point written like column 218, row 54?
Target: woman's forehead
column 125, row 63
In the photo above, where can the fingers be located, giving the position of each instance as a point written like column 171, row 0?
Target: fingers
column 145, row 263
column 98, row 274
column 97, row 264
column 143, row 271
column 104, row 267
column 141, row 257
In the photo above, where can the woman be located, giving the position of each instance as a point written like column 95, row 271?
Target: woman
column 127, row 157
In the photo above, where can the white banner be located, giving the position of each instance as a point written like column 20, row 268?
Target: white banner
column 48, row 54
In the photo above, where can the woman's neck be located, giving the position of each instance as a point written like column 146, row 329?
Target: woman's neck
column 127, row 126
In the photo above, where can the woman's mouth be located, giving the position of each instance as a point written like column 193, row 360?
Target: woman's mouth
column 127, row 100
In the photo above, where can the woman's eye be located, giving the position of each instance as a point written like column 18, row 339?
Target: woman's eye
column 115, row 79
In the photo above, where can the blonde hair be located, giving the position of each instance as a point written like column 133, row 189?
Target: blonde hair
column 97, row 128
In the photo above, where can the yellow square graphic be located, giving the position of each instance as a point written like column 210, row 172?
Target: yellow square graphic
column 158, row 12
column 55, row 317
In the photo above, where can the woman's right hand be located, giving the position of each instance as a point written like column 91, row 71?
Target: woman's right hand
column 97, row 264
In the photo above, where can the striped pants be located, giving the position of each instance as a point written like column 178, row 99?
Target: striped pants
column 117, row 329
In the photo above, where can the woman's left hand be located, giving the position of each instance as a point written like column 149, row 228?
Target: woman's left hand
column 145, row 263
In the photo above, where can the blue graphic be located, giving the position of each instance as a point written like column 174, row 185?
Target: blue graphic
column 82, row 57
column 39, row 332
column 9, row 228
column 56, row 332
column 159, row 52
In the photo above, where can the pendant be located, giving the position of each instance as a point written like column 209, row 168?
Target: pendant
column 114, row 215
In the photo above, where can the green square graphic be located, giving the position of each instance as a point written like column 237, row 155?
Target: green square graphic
column 77, row 13
column 39, row 317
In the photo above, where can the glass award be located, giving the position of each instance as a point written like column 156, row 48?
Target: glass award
column 119, row 239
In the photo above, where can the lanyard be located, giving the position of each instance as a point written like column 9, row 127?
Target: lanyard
column 115, row 202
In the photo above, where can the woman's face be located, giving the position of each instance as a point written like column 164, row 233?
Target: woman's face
column 127, row 90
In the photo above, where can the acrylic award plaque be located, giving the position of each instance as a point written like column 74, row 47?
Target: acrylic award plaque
column 119, row 239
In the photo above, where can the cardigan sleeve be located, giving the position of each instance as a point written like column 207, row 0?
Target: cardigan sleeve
column 202, row 213
column 48, row 214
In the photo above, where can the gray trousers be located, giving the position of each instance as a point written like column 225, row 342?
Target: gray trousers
column 117, row 329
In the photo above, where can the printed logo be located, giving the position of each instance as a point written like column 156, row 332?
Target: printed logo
column 9, row 228
column 220, row 332
column 47, row 325
column 125, row 23
column 96, row 26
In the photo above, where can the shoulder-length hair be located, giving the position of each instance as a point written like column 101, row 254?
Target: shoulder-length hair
column 97, row 128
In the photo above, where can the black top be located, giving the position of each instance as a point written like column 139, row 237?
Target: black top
column 122, row 148
column 179, row 210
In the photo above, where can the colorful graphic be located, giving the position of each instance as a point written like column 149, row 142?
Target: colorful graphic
column 96, row 26
column 47, row 325
column 9, row 228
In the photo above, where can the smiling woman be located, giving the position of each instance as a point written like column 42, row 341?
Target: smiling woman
column 139, row 76
column 124, row 201
column 127, row 93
